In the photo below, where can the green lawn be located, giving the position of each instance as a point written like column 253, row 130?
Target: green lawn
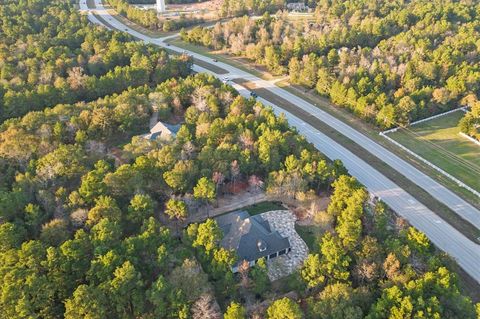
column 263, row 207
column 439, row 142
column 259, row 208
column 311, row 235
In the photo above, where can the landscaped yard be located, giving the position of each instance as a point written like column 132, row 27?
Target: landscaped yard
column 264, row 207
column 310, row 234
column 439, row 142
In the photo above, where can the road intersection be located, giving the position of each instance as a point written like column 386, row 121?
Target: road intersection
column 443, row 235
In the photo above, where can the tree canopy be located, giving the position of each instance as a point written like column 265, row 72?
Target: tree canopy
column 86, row 201
column 57, row 57
column 388, row 62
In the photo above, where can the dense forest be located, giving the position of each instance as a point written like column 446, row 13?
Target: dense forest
column 166, row 1
column 50, row 55
column 95, row 219
column 470, row 123
column 389, row 62
column 150, row 18
column 84, row 235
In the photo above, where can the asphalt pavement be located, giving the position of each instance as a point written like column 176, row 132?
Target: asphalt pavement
column 443, row 235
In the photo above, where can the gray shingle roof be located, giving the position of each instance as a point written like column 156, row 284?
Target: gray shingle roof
column 250, row 236
column 162, row 130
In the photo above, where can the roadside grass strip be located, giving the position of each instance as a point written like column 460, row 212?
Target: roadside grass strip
column 439, row 144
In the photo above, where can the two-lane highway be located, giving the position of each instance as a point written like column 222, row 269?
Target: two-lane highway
column 440, row 233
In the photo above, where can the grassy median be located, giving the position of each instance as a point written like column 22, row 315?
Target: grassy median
column 239, row 63
column 372, row 132
column 327, row 106
column 425, row 198
column 446, row 213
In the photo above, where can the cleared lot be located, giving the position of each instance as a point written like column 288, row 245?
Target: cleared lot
column 439, row 142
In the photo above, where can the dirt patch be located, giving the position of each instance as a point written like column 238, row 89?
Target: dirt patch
column 306, row 213
column 235, row 188
column 224, row 204
column 211, row 5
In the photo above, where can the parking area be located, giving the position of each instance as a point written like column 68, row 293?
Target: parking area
column 284, row 222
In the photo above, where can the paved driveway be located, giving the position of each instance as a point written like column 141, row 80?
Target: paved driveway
column 283, row 221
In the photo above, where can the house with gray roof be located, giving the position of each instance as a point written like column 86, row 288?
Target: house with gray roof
column 162, row 131
column 251, row 237
column 297, row 6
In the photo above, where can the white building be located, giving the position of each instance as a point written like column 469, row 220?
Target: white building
column 297, row 6
column 161, row 6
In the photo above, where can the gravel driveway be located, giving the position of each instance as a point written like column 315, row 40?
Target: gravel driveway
column 284, row 222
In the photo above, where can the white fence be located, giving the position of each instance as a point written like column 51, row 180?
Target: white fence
column 438, row 169
column 392, row 130
column 438, row 115
column 474, row 140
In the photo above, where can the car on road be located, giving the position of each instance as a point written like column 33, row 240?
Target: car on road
column 253, row 94
column 215, row 60
column 168, row 44
column 225, row 80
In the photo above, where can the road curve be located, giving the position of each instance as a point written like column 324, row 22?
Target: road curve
column 443, row 235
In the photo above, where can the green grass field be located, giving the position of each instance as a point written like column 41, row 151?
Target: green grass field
column 439, row 142
column 311, row 235
column 264, row 207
